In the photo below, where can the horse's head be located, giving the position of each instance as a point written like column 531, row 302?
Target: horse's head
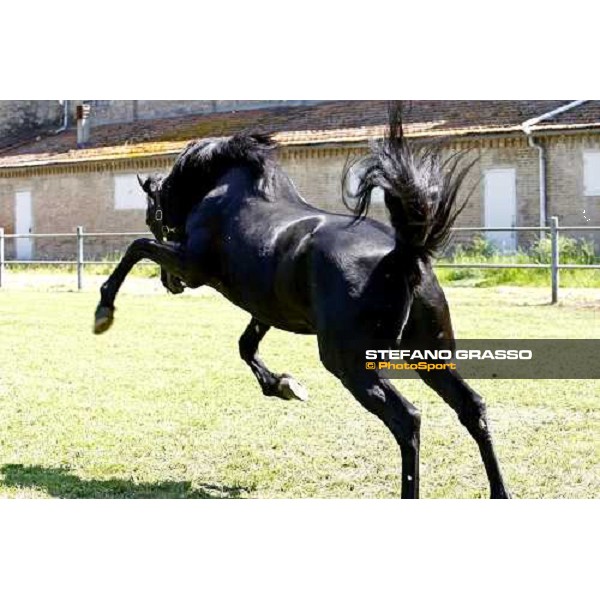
column 155, row 217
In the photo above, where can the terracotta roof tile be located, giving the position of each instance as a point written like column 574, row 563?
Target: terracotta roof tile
column 328, row 122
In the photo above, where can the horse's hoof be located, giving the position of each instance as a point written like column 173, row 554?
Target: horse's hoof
column 103, row 319
column 290, row 389
column 501, row 495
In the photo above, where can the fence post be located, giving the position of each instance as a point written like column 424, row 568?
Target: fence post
column 80, row 257
column 1, row 255
column 555, row 258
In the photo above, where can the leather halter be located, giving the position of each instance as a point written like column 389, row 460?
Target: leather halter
column 158, row 217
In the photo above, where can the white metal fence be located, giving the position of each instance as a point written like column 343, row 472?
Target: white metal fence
column 80, row 236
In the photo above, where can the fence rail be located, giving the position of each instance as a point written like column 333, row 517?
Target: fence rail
column 80, row 236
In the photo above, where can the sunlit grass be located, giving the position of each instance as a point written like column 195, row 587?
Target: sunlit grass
column 162, row 406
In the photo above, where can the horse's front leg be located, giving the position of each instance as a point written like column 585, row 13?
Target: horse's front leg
column 172, row 284
column 170, row 258
column 282, row 386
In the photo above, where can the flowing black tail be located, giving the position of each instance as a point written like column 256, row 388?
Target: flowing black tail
column 420, row 190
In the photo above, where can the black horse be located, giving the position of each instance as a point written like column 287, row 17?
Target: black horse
column 227, row 216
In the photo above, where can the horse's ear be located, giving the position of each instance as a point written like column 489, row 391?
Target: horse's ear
column 145, row 184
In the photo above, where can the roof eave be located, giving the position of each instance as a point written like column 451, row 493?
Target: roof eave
column 335, row 142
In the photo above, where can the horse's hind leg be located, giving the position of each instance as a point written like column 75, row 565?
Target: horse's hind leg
column 282, row 386
column 382, row 399
column 429, row 324
column 471, row 412
column 379, row 397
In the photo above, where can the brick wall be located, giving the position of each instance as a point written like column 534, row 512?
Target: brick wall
column 502, row 154
column 64, row 200
column 565, row 184
column 317, row 175
column 565, row 180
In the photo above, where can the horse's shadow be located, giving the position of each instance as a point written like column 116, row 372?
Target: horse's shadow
column 61, row 483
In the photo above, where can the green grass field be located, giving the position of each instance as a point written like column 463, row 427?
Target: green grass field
column 162, row 407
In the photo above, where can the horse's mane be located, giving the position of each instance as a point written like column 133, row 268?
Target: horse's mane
column 203, row 162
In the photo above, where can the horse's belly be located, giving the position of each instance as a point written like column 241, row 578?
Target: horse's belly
column 269, row 310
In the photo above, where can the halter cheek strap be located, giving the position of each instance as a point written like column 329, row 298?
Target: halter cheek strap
column 158, row 217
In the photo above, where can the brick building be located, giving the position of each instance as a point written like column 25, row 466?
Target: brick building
column 536, row 159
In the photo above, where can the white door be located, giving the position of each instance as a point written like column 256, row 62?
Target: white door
column 501, row 207
column 23, row 224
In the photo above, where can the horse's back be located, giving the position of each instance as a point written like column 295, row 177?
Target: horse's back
column 297, row 267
